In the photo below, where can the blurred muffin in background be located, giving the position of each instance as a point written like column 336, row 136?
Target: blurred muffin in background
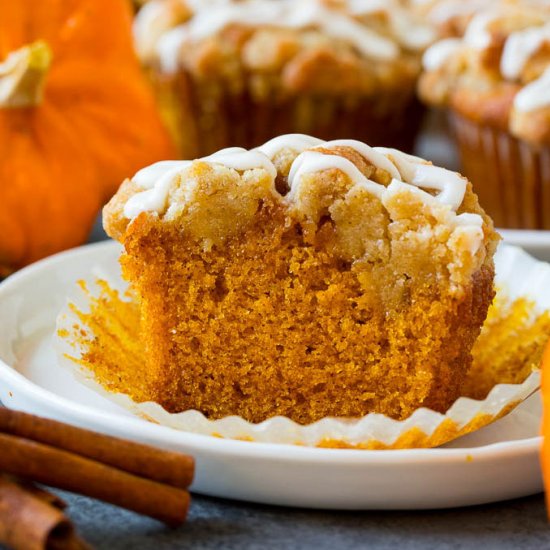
column 240, row 73
column 449, row 17
column 494, row 83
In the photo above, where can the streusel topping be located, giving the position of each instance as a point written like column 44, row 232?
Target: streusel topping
column 500, row 68
column 345, row 182
column 377, row 30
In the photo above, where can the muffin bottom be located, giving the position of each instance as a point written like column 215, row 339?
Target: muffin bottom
column 98, row 332
column 271, row 326
column 206, row 117
column 511, row 176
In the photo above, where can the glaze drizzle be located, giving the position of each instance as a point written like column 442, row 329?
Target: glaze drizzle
column 412, row 172
column 341, row 21
column 519, row 48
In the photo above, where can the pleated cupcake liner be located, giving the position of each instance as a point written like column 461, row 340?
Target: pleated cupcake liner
column 510, row 176
column 518, row 276
column 206, row 116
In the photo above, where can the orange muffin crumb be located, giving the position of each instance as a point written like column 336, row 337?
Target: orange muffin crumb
column 509, row 347
column 113, row 320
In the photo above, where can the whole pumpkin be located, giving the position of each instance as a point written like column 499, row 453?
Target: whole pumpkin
column 76, row 117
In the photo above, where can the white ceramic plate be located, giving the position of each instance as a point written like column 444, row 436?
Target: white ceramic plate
column 495, row 463
column 536, row 243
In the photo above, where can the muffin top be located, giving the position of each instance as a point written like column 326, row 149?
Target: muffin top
column 449, row 17
column 362, row 203
column 319, row 45
column 498, row 73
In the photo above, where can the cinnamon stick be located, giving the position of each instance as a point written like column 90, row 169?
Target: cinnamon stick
column 39, row 492
column 142, row 460
column 64, row 470
column 29, row 523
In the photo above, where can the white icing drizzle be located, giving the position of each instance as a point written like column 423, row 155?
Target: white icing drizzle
column 437, row 54
column 169, row 46
column 241, row 159
column 412, row 36
column 369, row 153
column 407, row 172
column 337, row 23
column 470, row 225
column 196, row 5
column 418, row 172
column 155, row 196
column 520, row 46
column 404, row 157
column 469, row 219
column 535, row 95
column 364, row 7
column 295, row 142
column 415, row 35
column 310, row 162
column 477, row 35
column 159, row 177
column 452, row 186
column 155, row 18
column 443, row 11
column 148, row 176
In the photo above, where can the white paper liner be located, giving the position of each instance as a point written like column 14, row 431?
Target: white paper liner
column 517, row 275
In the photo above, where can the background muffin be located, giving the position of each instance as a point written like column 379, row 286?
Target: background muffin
column 494, row 83
column 240, row 73
column 449, row 17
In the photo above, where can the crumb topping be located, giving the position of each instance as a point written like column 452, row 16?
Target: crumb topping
column 450, row 16
column 362, row 193
column 498, row 70
column 359, row 39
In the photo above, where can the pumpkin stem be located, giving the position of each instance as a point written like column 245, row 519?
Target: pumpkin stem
column 22, row 75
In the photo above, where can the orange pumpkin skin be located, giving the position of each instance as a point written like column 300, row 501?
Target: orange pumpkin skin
column 545, row 450
column 95, row 124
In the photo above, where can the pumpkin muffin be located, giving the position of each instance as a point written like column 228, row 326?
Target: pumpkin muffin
column 241, row 72
column 494, row 82
column 305, row 279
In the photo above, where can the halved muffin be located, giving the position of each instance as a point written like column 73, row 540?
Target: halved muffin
column 304, row 278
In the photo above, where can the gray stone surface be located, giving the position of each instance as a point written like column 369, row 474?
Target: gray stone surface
column 221, row 524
